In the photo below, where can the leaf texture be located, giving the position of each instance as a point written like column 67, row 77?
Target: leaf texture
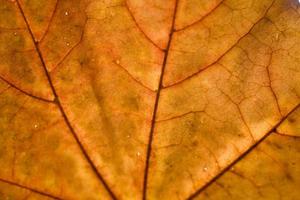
column 149, row 99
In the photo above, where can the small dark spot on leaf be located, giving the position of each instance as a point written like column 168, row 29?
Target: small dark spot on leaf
column 195, row 143
column 292, row 120
column 289, row 177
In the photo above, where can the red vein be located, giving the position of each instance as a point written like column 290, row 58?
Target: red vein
column 141, row 30
column 149, row 148
column 57, row 101
column 201, row 19
column 278, row 163
column 181, row 115
column 50, row 21
column 72, row 48
column 24, row 92
column 10, row 29
column 225, row 53
column 213, row 155
column 272, row 130
column 5, row 89
column 30, row 189
column 224, row 188
column 237, row 105
column 249, row 180
column 132, row 77
column 270, row 84
column 286, row 135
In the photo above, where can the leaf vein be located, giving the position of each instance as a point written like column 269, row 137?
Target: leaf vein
column 24, row 92
column 30, row 189
column 58, row 103
column 224, row 54
column 160, row 86
column 272, row 130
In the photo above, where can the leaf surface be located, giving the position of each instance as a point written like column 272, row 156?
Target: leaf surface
column 178, row 99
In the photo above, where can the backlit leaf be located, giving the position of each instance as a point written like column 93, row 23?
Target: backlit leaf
column 149, row 99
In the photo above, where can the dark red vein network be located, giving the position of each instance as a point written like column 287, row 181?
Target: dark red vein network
column 220, row 57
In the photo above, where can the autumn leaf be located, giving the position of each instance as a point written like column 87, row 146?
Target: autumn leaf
column 150, row 99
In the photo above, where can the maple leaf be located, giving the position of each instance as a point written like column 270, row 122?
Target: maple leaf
column 149, row 99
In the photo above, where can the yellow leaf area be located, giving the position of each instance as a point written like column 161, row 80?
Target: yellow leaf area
column 149, row 99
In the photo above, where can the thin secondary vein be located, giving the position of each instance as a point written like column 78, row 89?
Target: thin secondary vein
column 179, row 116
column 141, row 30
column 286, row 135
column 24, row 92
column 201, row 19
column 50, row 22
column 133, row 78
column 30, row 189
